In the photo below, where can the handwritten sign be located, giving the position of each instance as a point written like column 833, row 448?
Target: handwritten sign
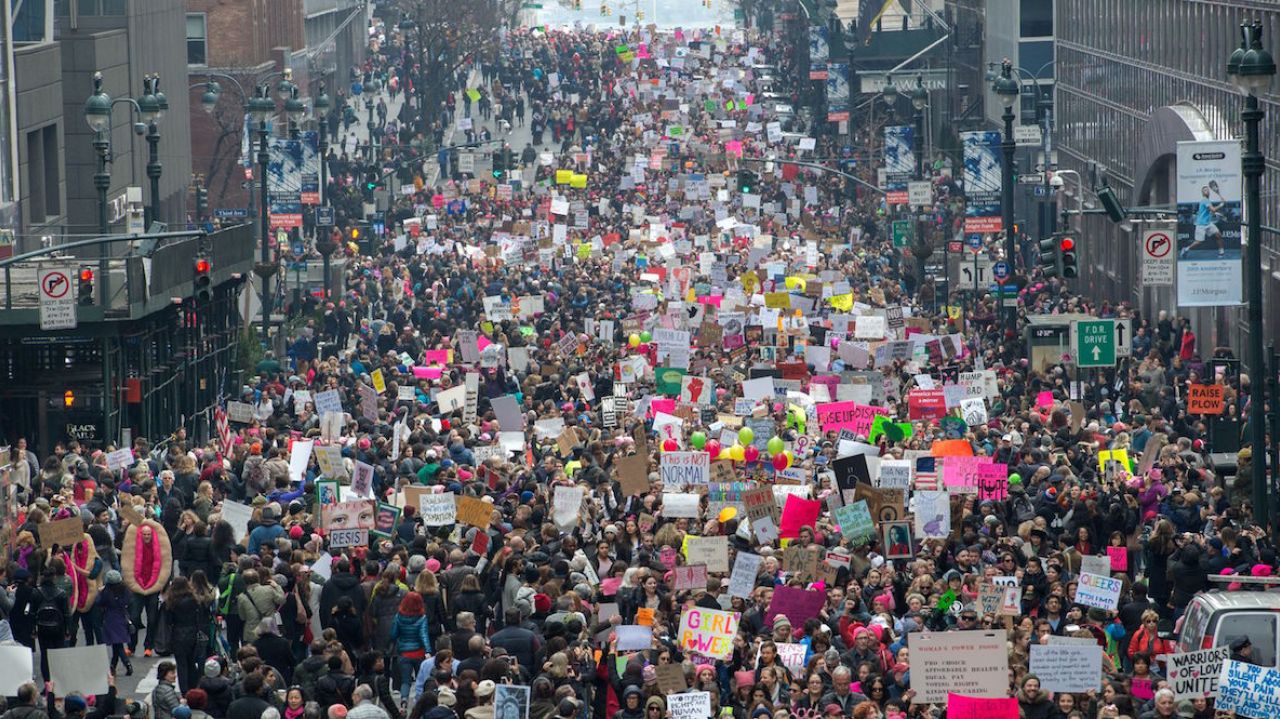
column 1067, row 667
column 62, row 532
column 679, row 469
column 1119, row 558
column 1195, row 674
column 708, row 632
column 1248, row 690
column 438, row 510
column 1205, row 399
column 1098, row 591
column 835, row 416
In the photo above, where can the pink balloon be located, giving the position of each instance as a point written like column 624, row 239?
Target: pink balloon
column 713, row 447
column 750, row 453
column 670, row 445
column 779, row 462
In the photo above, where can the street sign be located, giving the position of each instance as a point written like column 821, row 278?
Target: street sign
column 920, row 194
column 1042, row 190
column 973, row 242
column 901, row 233
column 954, row 247
column 233, row 213
column 972, row 275
column 1158, row 261
column 1001, row 271
column 1124, row 338
column 1027, row 135
column 324, row 216
column 57, row 299
column 1031, row 178
column 1094, row 342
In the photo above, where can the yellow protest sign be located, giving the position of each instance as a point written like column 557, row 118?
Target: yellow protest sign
column 1113, row 455
column 473, row 93
column 578, row 181
column 563, row 176
column 796, row 283
column 379, row 383
column 777, row 300
column 749, row 282
column 843, row 303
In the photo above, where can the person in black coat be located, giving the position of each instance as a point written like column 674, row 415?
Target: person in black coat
column 1189, row 572
column 250, row 705
column 342, row 584
column 274, row 650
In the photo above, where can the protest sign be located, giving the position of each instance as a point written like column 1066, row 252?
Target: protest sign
column 15, row 668
column 473, row 511
column 680, row 469
column 855, row 522
column 963, row 707
column 1195, row 674
column 1067, row 667
column 566, row 504
column 671, row 678
column 1247, row 689
column 1119, row 558
column 340, row 538
column 79, row 669
column 798, row 513
column 1098, row 591
column 437, row 510
column 676, row 504
column 1093, row 564
column 708, row 632
column 689, row 576
column 792, row 656
column 632, row 637
column 62, row 532
column 633, row 474
column 972, row 663
column 745, row 569
column 794, row 603
column 689, row 705
column 711, row 551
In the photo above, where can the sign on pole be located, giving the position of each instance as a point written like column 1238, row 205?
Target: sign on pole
column 1027, row 135
column 57, row 299
column 920, row 193
column 901, row 233
column 1095, row 343
column 1158, row 263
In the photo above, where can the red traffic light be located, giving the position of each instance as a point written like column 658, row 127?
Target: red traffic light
column 86, row 274
column 203, row 266
column 1067, row 244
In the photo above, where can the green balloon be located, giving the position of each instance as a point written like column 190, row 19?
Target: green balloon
column 698, row 440
column 746, row 436
column 645, row 336
column 776, row 445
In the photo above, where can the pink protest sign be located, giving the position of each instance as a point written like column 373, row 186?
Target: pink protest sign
column 1119, row 559
column 796, row 513
column 427, row 372
column 962, row 707
column 960, row 474
column 835, row 416
column 795, row 604
column 1044, row 399
column 993, row 481
column 436, row 356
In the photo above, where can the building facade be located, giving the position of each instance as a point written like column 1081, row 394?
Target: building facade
column 1134, row 79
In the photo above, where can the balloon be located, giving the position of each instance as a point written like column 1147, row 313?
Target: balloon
column 745, row 435
column 713, row 448
column 724, row 453
column 736, row 453
column 776, row 445
column 670, row 445
column 779, row 462
column 634, row 340
column 727, row 513
column 645, row 336
column 750, row 453
column 698, row 440
column 791, row 458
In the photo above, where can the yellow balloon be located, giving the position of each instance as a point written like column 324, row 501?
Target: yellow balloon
column 725, row 453
column 790, row 457
column 728, row 513
column 737, row 453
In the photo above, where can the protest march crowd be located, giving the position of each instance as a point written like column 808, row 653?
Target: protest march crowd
column 626, row 439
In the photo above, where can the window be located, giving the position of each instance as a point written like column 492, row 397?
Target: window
column 100, row 7
column 1037, row 18
column 197, row 39
column 1259, row 628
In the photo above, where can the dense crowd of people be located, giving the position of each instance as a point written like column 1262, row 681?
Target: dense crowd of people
column 448, row 499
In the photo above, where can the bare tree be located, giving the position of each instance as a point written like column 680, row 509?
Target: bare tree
column 447, row 34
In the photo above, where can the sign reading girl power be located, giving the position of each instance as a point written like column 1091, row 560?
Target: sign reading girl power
column 708, row 632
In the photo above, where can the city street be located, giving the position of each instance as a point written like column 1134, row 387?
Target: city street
column 820, row 366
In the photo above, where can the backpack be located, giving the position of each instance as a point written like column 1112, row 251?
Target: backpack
column 49, row 615
column 226, row 599
column 1023, row 510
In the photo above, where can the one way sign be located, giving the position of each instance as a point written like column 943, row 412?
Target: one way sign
column 1124, row 338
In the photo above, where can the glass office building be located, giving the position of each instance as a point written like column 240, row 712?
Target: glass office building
column 1134, row 78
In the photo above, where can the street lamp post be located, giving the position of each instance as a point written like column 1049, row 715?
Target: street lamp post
column 920, row 101
column 324, row 244
column 97, row 112
column 1006, row 88
column 370, row 89
column 261, row 108
column 1251, row 68
column 152, row 106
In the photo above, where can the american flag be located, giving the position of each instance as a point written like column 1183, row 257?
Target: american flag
column 224, row 429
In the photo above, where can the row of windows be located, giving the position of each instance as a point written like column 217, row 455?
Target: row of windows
column 1192, row 36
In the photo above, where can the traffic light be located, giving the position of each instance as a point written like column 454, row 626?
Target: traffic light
column 85, row 289
column 746, row 181
column 499, row 164
column 1050, row 260
column 203, row 280
column 1067, row 258
column 202, row 203
column 370, row 181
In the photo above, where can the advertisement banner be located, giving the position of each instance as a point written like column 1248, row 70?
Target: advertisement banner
column 819, row 51
column 837, row 92
column 981, row 181
column 293, row 177
column 1209, row 239
column 899, row 162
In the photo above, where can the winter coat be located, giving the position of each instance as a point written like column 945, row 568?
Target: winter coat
column 338, row 586
column 114, row 608
column 255, row 604
column 410, row 634
column 383, row 610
